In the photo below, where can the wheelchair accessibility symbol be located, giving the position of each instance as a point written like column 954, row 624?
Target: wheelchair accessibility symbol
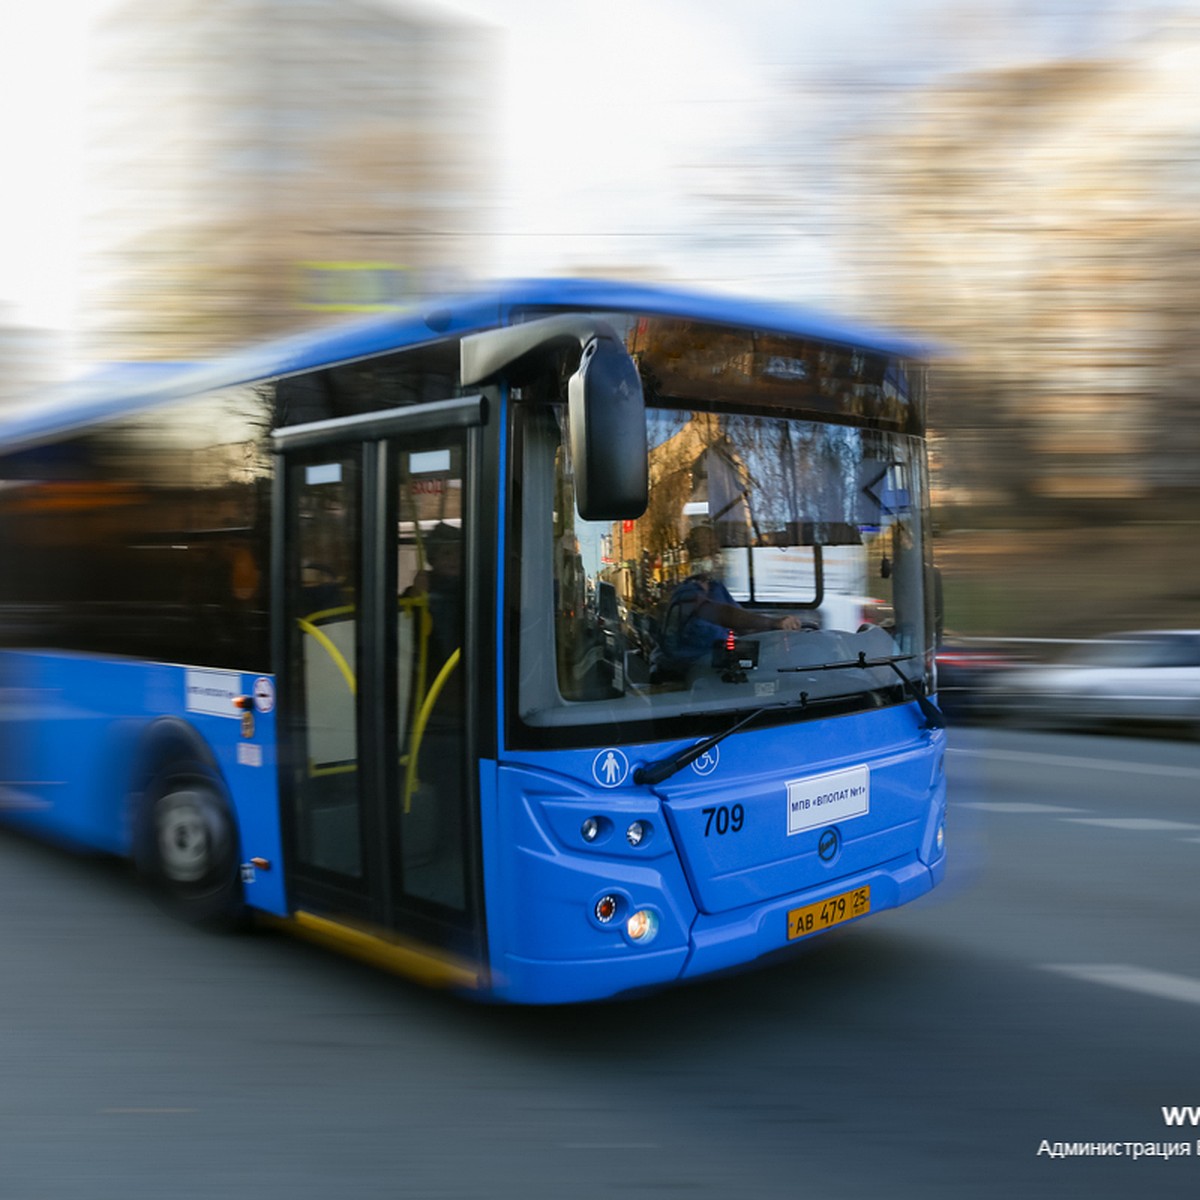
column 610, row 768
column 708, row 762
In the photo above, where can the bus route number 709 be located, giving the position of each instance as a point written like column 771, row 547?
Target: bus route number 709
column 723, row 819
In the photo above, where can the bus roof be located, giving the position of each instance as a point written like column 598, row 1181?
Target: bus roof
column 119, row 389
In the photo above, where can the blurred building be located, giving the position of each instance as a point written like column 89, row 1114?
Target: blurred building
column 255, row 165
column 29, row 361
column 1044, row 223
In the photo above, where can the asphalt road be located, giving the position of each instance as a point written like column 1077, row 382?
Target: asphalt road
column 1048, row 993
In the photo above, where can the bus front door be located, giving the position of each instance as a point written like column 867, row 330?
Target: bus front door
column 378, row 797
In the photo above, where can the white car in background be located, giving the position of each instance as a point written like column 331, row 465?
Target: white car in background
column 1140, row 678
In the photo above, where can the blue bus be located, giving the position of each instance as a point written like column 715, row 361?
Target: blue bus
column 546, row 643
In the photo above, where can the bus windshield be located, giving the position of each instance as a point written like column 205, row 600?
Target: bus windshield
column 772, row 547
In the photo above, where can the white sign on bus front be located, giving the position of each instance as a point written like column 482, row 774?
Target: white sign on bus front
column 822, row 800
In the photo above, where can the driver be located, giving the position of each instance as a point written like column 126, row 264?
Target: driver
column 701, row 611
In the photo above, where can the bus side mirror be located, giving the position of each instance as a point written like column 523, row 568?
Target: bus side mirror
column 606, row 415
column 606, row 412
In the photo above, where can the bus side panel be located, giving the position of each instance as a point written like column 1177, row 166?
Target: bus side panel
column 65, row 742
column 245, row 750
column 72, row 728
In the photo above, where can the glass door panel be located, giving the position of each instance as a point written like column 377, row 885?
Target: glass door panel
column 323, row 645
column 431, row 698
column 378, row 766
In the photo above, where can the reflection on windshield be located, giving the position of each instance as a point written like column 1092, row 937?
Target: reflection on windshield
column 768, row 545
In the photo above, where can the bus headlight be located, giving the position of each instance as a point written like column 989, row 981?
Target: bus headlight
column 635, row 833
column 642, row 926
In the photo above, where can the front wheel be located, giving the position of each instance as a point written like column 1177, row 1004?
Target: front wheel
column 188, row 845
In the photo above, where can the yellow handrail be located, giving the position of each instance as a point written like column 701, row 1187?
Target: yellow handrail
column 410, row 781
column 334, row 653
column 419, row 606
column 326, row 613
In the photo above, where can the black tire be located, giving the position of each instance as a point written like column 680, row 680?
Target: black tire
column 188, row 847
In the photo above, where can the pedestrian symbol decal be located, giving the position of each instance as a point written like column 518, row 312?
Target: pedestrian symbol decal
column 610, row 768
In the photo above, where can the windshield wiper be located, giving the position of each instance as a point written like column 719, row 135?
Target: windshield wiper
column 664, row 768
column 930, row 711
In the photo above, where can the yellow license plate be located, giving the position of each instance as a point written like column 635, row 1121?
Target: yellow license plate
column 813, row 918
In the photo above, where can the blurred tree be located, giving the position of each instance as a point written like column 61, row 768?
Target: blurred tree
column 1030, row 218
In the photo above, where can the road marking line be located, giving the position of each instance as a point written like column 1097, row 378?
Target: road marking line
column 1136, row 824
column 144, row 1111
column 1133, row 979
column 611, row 1145
column 1016, row 806
column 1095, row 764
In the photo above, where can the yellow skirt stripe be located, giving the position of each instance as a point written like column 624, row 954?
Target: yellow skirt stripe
column 433, row 968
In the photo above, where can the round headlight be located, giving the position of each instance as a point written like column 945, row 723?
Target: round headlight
column 606, row 909
column 635, row 833
column 590, row 829
column 642, row 926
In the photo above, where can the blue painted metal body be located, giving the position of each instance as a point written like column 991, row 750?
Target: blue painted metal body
column 73, row 726
column 722, row 899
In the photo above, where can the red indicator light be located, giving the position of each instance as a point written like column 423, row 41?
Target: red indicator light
column 606, row 909
column 730, row 643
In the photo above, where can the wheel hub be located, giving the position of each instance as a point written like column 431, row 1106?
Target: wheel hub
column 184, row 846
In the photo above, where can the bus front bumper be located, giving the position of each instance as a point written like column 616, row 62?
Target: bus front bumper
column 718, row 942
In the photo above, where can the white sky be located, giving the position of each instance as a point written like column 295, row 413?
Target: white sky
column 634, row 132
column 41, row 57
